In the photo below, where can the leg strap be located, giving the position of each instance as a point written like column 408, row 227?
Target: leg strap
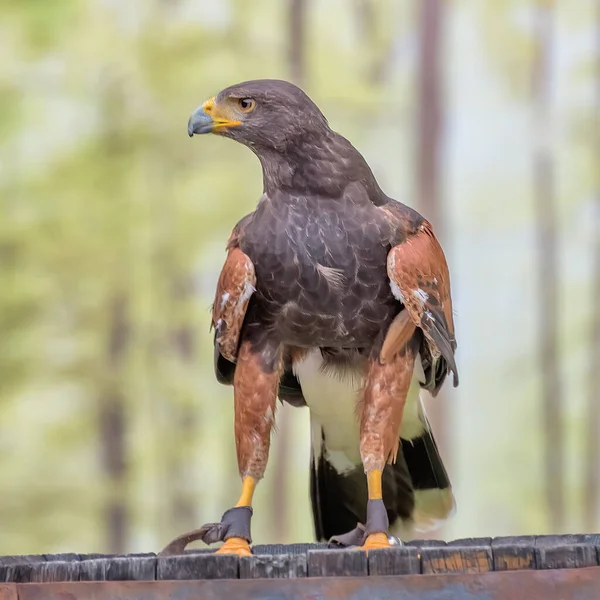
column 377, row 522
column 234, row 523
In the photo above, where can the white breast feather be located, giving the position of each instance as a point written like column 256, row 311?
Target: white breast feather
column 332, row 403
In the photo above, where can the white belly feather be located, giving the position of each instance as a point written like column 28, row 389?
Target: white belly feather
column 332, row 402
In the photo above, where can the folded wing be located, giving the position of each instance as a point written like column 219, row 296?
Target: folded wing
column 419, row 278
column 235, row 287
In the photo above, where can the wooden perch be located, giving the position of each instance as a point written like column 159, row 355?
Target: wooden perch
column 533, row 567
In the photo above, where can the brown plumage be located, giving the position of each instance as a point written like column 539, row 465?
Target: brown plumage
column 399, row 333
column 382, row 407
column 235, row 286
column 419, row 276
column 255, row 397
column 330, row 282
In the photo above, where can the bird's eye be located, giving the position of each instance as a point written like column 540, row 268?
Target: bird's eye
column 246, row 104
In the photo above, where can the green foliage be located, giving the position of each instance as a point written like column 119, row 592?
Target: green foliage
column 103, row 196
column 41, row 23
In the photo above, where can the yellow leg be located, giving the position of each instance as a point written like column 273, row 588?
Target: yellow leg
column 248, row 487
column 236, row 545
column 374, row 484
column 375, row 540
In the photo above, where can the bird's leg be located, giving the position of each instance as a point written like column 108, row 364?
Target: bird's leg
column 255, row 383
column 382, row 409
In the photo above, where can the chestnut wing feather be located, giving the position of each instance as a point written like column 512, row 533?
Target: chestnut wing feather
column 237, row 283
column 419, row 278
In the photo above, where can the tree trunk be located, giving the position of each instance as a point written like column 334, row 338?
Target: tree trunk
column 429, row 169
column 373, row 57
column 182, row 505
column 365, row 20
column 112, row 414
column 545, row 215
column 112, row 431
column 297, row 50
column 430, row 113
column 297, row 67
column 592, row 483
column 364, row 16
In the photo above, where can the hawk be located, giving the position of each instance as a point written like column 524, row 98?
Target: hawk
column 336, row 297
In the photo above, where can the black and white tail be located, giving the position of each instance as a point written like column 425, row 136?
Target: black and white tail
column 416, row 488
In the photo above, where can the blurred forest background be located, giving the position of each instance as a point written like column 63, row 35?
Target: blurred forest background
column 114, row 435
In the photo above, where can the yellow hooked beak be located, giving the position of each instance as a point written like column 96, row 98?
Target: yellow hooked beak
column 211, row 118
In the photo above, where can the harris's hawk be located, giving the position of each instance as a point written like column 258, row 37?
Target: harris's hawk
column 337, row 297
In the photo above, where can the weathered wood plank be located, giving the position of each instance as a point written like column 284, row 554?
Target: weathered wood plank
column 276, row 549
column 280, row 566
column 473, row 541
column 456, row 559
column 93, row 569
column 198, row 566
column 17, row 569
column 337, row 563
column 131, row 568
column 574, row 584
column 565, row 551
column 426, row 543
column 54, row 571
column 513, row 553
column 468, row 555
column 402, row 560
column 65, row 557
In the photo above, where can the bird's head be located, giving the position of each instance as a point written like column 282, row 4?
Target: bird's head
column 266, row 114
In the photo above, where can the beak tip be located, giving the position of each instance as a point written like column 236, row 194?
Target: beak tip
column 190, row 127
column 199, row 122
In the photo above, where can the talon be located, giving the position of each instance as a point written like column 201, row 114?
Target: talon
column 375, row 541
column 235, row 545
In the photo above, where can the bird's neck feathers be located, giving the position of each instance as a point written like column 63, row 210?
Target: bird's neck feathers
column 322, row 165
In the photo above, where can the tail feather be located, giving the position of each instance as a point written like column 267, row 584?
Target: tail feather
column 416, row 490
column 434, row 499
column 339, row 500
